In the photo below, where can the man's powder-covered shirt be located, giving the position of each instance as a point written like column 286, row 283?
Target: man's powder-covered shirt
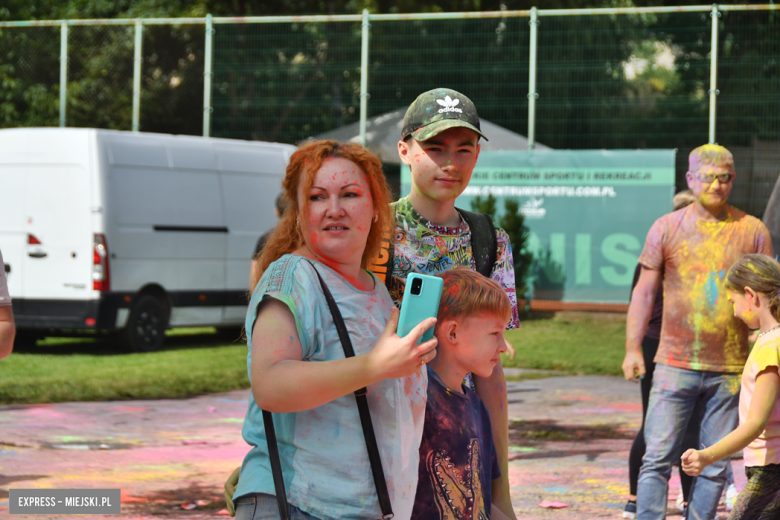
column 699, row 330
column 427, row 248
column 458, row 462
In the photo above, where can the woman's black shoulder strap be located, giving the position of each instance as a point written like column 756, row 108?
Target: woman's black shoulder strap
column 484, row 245
column 365, row 421
column 362, row 403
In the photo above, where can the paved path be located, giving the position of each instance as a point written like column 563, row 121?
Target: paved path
column 569, row 442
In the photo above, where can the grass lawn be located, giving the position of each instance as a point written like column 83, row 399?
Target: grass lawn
column 572, row 342
column 193, row 362
column 199, row 361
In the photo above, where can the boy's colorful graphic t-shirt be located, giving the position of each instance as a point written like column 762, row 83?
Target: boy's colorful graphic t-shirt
column 458, row 460
column 424, row 247
column 699, row 330
column 765, row 449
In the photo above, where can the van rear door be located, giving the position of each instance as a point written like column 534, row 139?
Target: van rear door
column 57, row 215
column 45, row 231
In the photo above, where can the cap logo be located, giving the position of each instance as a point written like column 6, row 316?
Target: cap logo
column 449, row 105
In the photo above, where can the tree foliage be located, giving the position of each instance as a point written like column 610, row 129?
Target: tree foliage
column 629, row 81
column 513, row 222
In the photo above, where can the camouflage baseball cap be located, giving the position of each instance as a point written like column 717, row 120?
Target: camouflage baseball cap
column 438, row 110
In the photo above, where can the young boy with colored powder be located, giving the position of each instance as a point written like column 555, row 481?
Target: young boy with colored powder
column 703, row 347
column 440, row 144
column 457, row 455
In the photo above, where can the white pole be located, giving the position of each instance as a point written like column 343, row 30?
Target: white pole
column 364, row 95
column 532, row 94
column 207, row 75
column 139, row 28
column 714, row 72
column 63, row 71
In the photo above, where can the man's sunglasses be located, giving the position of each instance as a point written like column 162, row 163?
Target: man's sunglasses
column 709, row 178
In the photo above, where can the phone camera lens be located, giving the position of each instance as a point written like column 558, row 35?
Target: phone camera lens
column 416, row 286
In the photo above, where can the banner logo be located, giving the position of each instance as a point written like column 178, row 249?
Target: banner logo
column 533, row 209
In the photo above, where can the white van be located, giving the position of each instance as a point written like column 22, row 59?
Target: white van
column 117, row 231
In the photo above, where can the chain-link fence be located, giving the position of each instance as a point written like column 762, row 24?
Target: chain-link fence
column 284, row 82
column 604, row 78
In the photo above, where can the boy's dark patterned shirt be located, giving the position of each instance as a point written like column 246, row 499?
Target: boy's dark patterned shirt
column 458, row 460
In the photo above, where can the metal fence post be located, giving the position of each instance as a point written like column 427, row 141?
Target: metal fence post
column 532, row 94
column 714, row 72
column 63, row 71
column 139, row 28
column 207, row 74
column 364, row 95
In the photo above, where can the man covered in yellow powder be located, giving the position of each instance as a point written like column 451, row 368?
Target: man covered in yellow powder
column 703, row 347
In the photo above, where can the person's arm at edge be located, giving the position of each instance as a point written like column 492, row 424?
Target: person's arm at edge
column 253, row 267
column 764, row 244
column 639, row 311
column 492, row 391
column 7, row 330
column 230, row 489
column 510, row 350
column 764, row 399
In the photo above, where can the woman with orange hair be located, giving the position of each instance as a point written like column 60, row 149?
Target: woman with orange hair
column 338, row 208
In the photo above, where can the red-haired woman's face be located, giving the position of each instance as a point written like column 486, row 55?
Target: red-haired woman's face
column 340, row 211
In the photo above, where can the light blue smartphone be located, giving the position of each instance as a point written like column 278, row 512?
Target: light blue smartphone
column 421, row 301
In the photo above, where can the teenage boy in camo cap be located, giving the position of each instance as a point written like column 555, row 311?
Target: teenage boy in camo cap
column 440, row 144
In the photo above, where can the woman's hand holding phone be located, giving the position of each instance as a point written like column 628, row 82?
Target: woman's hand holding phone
column 394, row 356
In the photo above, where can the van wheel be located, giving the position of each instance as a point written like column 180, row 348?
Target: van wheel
column 146, row 326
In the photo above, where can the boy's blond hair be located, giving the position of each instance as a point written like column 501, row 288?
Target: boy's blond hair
column 467, row 293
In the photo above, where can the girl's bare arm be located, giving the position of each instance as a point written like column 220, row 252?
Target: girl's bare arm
column 764, row 398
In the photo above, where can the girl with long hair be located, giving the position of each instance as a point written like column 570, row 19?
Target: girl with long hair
column 753, row 285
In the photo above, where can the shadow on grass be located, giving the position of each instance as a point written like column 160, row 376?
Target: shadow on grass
column 110, row 345
column 531, row 432
column 529, row 315
column 10, row 479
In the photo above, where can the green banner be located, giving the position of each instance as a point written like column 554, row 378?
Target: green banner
column 588, row 212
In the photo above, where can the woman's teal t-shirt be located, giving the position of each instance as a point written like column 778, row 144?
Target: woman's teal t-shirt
column 323, row 452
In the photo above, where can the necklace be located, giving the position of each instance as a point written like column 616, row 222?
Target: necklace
column 770, row 330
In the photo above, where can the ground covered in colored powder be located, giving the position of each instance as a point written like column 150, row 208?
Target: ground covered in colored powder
column 569, row 440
